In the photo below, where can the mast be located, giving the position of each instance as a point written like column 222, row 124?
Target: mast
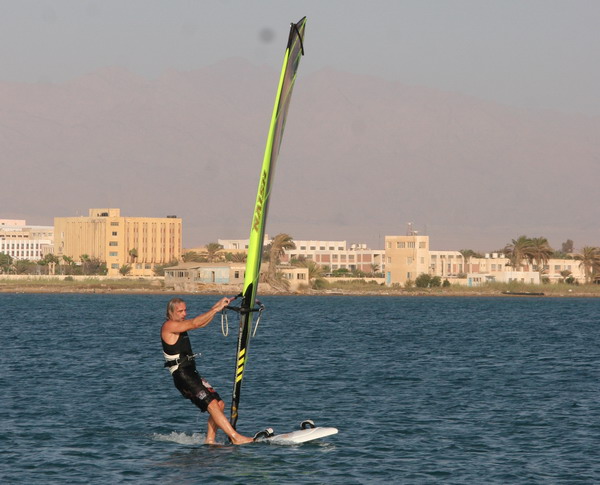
column 291, row 60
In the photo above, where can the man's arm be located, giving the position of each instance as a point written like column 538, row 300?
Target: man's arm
column 202, row 320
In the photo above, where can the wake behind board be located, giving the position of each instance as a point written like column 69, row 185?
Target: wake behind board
column 307, row 433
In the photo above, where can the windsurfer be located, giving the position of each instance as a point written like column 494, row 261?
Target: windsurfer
column 179, row 357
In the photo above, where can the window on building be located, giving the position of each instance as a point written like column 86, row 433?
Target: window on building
column 422, row 245
column 114, row 233
column 113, row 243
column 113, row 254
column 411, row 244
column 114, row 223
column 409, row 260
column 115, row 266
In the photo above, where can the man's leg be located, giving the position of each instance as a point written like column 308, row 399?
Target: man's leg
column 219, row 420
column 211, row 432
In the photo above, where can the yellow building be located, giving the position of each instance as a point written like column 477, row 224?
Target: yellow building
column 406, row 257
column 141, row 242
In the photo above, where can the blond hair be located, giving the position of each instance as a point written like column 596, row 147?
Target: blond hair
column 171, row 306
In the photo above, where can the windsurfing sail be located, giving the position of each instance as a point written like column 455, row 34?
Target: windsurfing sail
column 291, row 60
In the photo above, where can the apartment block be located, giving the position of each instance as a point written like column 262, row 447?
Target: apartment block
column 406, row 257
column 23, row 242
column 331, row 254
column 141, row 242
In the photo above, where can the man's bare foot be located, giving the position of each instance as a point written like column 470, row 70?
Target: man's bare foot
column 238, row 439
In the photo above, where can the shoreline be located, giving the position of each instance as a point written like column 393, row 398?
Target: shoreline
column 230, row 290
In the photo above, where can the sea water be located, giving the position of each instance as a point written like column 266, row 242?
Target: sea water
column 422, row 390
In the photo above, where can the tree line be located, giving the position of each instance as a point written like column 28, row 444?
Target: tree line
column 537, row 252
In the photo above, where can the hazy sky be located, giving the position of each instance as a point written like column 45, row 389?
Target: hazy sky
column 533, row 53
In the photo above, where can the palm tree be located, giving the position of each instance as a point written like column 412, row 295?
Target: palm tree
column 85, row 260
column 539, row 252
column 590, row 261
column 133, row 254
column 6, row 262
column 279, row 245
column 190, row 256
column 125, row 269
column 314, row 270
column 212, row 250
column 49, row 261
column 375, row 269
column 69, row 263
column 565, row 273
column 239, row 257
column 467, row 254
column 516, row 251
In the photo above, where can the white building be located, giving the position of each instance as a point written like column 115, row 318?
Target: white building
column 337, row 255
column 21, row 241
column 332, row 254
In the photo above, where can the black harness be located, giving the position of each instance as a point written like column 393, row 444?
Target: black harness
column 181, row 361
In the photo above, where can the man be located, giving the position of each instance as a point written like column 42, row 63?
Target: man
column 180, row 362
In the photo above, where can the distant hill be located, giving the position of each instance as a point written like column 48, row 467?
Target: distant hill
column 361, row 157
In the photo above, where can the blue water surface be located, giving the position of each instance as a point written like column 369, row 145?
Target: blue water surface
column 423, row 390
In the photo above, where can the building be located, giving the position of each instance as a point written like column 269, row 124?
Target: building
column 236, row 245
column 23, row 242
column 406, row 257
column 409, row 256
column 496, row 267
column 140, row 242
column 189, row 276
column 446, row 263
column 331, row 254
column 192, row 276
column 337, row 255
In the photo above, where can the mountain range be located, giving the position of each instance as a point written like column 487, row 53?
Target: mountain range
column 361, row 157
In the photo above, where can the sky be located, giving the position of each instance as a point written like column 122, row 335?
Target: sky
column 540, row 54
column 532, row 54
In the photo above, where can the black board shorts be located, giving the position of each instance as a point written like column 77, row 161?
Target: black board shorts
column 194, row 387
